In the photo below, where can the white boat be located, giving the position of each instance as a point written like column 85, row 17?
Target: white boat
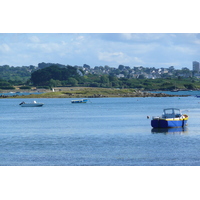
column 79, row 101
column 33, row 104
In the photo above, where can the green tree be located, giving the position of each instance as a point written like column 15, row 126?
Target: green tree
column 190, row 86
column 104, row 79
column 72, row 81
column 54, row 83
column 141, row 76
column 43, row 76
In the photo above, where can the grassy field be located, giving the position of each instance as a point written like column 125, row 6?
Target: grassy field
column 82, row 93
column 86, row 92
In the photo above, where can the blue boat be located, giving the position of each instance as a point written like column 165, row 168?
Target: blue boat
column 171, row 117
column 79, row 101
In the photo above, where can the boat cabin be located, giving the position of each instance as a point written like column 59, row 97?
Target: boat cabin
column 171, row 113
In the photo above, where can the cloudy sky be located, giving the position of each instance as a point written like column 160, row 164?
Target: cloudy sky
column 95, row 49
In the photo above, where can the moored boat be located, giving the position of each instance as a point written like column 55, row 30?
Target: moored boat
column 171, row 117
column 79, row 101
column 33, row 104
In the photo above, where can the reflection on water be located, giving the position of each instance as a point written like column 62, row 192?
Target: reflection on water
column 106, row 132
column 178, row 130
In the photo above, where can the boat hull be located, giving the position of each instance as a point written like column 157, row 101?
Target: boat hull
column 32, row 105
column 166, row 123
column 79, row 101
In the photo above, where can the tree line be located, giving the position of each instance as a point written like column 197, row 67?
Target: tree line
column 55, row 76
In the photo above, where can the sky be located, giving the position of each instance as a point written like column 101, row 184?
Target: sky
column 100, row 49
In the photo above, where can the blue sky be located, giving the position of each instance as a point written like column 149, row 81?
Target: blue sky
column 100, row 49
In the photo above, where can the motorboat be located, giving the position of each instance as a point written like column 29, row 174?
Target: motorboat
column 171, row 117
column 33, row 104
column 79, row 101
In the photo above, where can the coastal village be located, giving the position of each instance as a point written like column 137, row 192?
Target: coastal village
column 120, row 71
column 123, row 71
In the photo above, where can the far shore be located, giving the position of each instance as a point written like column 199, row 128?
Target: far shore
column 82, row 92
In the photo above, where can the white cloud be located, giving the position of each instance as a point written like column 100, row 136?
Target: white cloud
column 136, row 37
column 81, row 37
column 46, row 47
column 144, row 48
column 168, row 64
column 110, row 57
column 116, row 58
column 78, row 40
column 127, row 36
column 119, row 58
column 184, row 49
column 4, row 48
column 138, row 60
column 34, row 39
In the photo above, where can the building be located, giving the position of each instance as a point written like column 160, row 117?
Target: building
column 196, row 66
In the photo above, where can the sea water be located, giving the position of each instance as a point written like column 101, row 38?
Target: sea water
column 102, row 132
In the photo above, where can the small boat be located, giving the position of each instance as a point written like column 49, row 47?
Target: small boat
column 33, row 104
column 171, row 117
column 175, row 90
column 79, row 101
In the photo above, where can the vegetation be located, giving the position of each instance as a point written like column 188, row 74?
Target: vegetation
column 56, row 75
column 92, row 93
column 25, row 87
column 19, row 75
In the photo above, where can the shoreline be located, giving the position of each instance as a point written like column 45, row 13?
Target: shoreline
column 84, row 92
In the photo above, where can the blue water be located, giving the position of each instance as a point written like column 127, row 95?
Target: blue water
column 189, row 93
column 19, row 94
column 102, row 132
